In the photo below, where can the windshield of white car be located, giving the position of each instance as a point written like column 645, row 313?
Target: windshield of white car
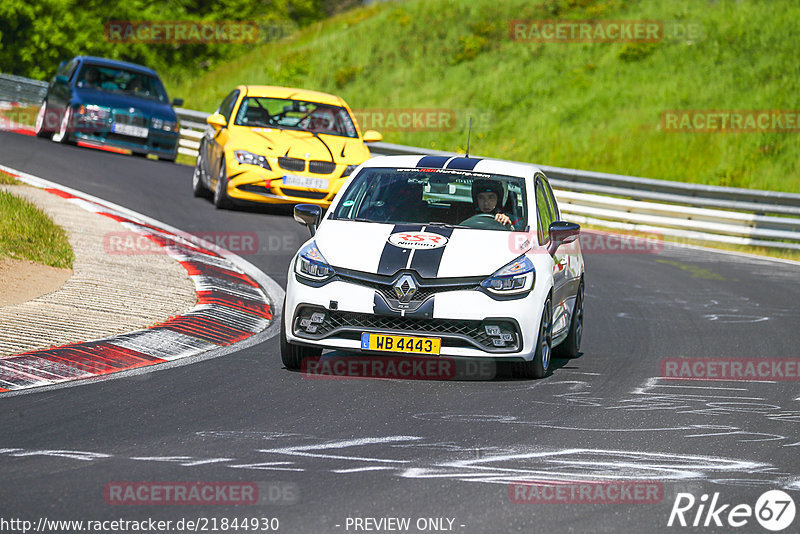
column 436, row 197
column 264, row 112
column 121, row 81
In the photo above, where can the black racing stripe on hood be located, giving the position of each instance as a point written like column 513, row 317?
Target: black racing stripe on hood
column 432, row 162
column 463, row 164
column 426, row 261
column 395, row 258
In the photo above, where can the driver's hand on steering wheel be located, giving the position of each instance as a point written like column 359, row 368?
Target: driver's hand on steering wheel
column 502, row 218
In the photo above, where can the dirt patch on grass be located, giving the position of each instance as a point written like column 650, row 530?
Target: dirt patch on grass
column 23, row 280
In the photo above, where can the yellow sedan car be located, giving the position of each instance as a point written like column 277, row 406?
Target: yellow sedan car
column 278, row 145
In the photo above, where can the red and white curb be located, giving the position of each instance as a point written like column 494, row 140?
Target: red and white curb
column 236, row 304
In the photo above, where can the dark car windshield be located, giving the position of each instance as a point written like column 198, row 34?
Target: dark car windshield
column 434, row 196
column 263, row 112
column 121, row 81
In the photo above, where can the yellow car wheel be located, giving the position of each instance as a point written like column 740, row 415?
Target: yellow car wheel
column 198, row 187
column 221, row 199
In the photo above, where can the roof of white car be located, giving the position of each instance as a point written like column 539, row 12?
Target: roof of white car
column 485, row 165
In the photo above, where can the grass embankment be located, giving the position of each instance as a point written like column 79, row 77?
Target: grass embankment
column 27, row 233
column 593, row 106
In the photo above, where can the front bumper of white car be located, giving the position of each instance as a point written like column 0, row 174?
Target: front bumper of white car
column 469, row 322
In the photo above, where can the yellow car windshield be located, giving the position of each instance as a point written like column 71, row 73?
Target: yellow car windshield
column 264, row 112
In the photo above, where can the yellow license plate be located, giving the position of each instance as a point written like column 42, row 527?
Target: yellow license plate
column 389, row 343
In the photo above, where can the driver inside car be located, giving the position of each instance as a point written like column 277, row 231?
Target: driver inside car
column 487, row 196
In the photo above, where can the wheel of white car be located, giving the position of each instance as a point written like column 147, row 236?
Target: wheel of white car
column 292, row 356
column 539, row 365
column 41, row 122
column 571, row 346
column 62, row 136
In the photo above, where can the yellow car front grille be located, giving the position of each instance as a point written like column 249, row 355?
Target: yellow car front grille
column 321, row 167
column 292, row 164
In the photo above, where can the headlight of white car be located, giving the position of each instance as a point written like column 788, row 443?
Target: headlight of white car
column 311, row 264
column 516, row 277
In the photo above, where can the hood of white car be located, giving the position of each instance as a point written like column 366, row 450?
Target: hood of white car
column 432, row 251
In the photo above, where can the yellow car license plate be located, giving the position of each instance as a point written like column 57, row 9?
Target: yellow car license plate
column 391, row 343
column 293, row 180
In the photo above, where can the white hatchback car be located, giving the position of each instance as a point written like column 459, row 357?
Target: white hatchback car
column 439, row 256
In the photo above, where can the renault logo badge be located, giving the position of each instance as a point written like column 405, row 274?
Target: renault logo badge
column 405, row 287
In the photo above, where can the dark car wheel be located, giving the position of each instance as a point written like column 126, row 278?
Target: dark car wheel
column 292, row 356
column 198, row 187
column 63, row 136
column 41, row 123
column 221, row 198
column 538, row 366
column 571, row 346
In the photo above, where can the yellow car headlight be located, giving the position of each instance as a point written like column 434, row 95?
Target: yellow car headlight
column 248, row 158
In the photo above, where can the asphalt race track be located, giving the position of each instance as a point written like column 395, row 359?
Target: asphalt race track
column 423, row 449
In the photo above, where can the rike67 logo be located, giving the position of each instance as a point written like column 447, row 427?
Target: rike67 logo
column 774, row 510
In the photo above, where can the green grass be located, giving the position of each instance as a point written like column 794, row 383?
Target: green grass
column 27, row 233
column 593, row 106
column 8, row 179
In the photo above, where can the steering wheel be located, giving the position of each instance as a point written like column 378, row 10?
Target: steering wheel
column 487, row 221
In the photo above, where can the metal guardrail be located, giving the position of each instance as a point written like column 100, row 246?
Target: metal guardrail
column 677, row 209
column 683, row 212
column 23, row 90
column 755, row 200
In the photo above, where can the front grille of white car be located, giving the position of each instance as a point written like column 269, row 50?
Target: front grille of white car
column 425, row 288
column 491, row 335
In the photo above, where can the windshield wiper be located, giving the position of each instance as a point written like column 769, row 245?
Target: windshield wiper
column 445, row 225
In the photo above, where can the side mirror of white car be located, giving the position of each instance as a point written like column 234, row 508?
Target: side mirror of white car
column 562, row 232
column 309, row 215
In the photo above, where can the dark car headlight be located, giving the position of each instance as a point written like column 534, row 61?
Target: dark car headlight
column 514, row 278
column 162, row 124
column 312, row 264
column 94, row 113
column 248, row 158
